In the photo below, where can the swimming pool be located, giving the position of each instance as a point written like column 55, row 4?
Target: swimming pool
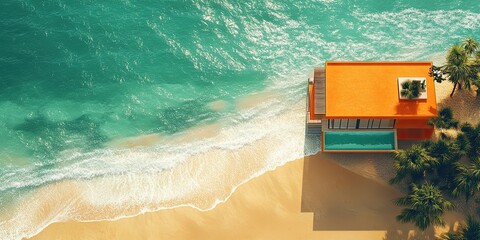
column 359, row 141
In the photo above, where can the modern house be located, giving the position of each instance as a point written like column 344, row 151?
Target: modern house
column 358, row 106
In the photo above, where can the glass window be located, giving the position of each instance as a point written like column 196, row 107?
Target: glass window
column 360, row 123
column 363, row 123
column 392, row 123
column 387, row 123
column 352, row 123
column 336, row 123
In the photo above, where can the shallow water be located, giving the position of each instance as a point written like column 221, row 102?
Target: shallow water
column 97, row 95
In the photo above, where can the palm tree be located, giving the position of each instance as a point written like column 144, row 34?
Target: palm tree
column 475, row 66
column 467, row 180
column 425, row 206
column 463, row 66
column 410, row 89
column 476, row 78
column 470, row 45
column 444, row 151
column 447, row 153
column 472, row 49
column 450, row 236
column 471, row 140
column 467, row 231
column 471, row 230
column 457, row 67
column 444, row 120
column 463, row 143
column 413, row 162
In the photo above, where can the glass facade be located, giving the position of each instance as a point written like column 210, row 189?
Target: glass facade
column 361, row 123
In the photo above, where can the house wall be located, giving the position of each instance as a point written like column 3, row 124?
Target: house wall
column 414, row 134
column 311, row 99
column 412, row 123
column 414, row 129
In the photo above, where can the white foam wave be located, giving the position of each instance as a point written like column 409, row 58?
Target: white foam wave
column 419, row 30
column 188, row 169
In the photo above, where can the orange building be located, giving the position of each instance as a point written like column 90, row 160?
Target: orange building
column 358, row 106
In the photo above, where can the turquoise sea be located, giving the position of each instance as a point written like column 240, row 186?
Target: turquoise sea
column 113, row 108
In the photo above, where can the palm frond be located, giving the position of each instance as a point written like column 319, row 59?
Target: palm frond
column 425, row 206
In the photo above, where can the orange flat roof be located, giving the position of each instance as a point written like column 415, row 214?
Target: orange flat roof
column 370, row 89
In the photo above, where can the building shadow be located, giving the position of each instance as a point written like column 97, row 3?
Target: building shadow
column 349, row 192
column 343, row 200
column 405, row 144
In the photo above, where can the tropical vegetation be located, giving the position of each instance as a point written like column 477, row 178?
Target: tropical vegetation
column 425, row 206
column 445, row 119
column 462, row 66
column 411, row 89
column 438, row 171
column 470, row 230
column 412, row 163
column 467, row 180
column 470, row 140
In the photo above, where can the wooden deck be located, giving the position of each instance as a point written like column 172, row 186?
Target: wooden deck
column 314, row 122
column 319, row 78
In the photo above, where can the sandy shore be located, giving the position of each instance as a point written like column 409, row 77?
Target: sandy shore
column 325, row 196
column 311, row 198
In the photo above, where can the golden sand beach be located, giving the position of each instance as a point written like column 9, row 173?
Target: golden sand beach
column 325, row 196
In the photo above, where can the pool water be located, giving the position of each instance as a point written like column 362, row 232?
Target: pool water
column 359, row 140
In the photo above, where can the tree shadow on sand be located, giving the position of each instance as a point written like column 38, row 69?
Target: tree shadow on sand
column 464, row 104
column 408, row 107
column 408, row 234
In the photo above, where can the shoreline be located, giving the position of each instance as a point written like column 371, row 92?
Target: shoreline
column 311, row 197
column 200, row 182
column 172, row 208
column 370, row 168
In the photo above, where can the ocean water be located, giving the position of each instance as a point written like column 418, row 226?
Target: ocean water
column 110, row 109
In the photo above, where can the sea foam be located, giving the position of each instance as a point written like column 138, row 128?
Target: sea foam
column 192, row 168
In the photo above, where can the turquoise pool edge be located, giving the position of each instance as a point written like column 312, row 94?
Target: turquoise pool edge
column 359, row 141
